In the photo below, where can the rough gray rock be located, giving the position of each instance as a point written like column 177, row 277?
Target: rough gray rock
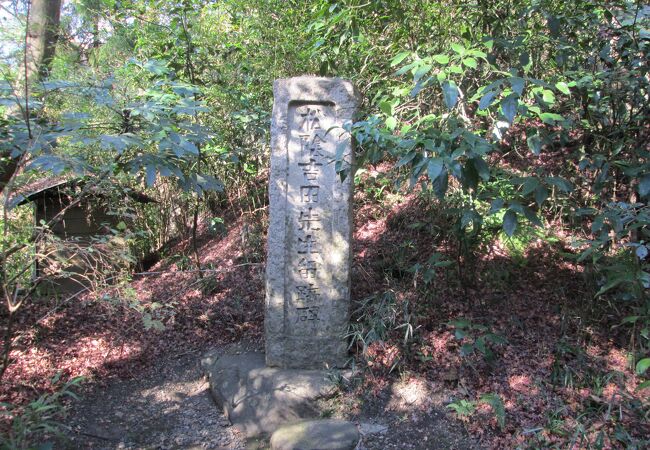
column 258, row 399
column 328, row 434
column 367, row 428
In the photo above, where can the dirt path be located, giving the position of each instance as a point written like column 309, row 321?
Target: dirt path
column 169, row 407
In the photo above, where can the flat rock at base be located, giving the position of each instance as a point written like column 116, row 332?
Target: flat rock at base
column 258, row 399
column 327, row 434
column 366, row 428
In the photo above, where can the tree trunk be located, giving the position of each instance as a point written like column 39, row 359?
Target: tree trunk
column 42, row 34
column 40, row 42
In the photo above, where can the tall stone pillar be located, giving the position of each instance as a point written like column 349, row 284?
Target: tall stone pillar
column 310, row 230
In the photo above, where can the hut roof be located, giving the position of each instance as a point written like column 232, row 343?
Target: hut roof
column 52, row 186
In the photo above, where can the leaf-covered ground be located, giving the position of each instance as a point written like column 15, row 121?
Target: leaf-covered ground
column 99, row 338
column 512, row 341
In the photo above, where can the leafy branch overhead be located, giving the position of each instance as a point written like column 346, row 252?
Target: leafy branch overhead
column 154, row 133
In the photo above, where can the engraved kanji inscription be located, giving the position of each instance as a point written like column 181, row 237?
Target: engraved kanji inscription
column 308, row 293
column 311, row 147
column 311, row 169
column 309, row 220
column 309, row 194
column 310, row 229
column 307, row 268
column 307, row 313
column 308, row 245
column 309, row 117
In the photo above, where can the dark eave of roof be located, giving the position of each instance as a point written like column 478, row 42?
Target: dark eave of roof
column 50, row 187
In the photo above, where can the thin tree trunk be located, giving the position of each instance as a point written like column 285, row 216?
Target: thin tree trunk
column 42, row 36
column 42, row 33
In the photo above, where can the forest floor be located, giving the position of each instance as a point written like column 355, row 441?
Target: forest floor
column 509, row 351
column 169, row 406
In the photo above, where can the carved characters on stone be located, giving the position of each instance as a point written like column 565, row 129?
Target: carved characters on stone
column 310, row 116
column 309, row 220
column 310, row 224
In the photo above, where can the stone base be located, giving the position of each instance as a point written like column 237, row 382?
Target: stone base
column 330, row 434
column 259, row 399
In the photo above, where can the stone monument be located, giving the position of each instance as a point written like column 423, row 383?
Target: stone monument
column 307, row 275
column 308, row 263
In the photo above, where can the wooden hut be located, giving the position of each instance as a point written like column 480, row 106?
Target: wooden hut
column 80, row 242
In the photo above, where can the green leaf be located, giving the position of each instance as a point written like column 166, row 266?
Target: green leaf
column 496, row 339
column 434, row 168
column 406, row 68
column 460, row 323
column 535, row 144
column 391, row 123
column 470, row 62
column 561, row 183
column 497, row 407
column 441, row 59
column 482, row 168
column 466, row 349
column 480, row 345
column 644, row 385
column 458, row 49
column 450, row 93
column 642, row 366
column 401, row 56
column 463, row 407
column 550, row 118
column 469, row 176
column 150, row 175
column 421, row 84
column 496, row 205
column 644, row 185
column 517, row 84
column 441, row 184
column 422, row 71
column 188, row 146
column 563, row 87
column 119, row 142
column 510, row 222
column 541, row 194
column 406, row 159
column 487, row 100
column 597, row 224
column 611, row 284
column 530, row 215
column 386, row 108
column 156, row 67
column 530, row 184
column 548, row 96
column 509, row 107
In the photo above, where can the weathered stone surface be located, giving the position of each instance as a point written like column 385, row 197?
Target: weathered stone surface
column 328, row 434
column 367, row 428
column 308, row 264
column 258, row 399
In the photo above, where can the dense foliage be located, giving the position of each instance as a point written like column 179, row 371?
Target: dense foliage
column 510, row 121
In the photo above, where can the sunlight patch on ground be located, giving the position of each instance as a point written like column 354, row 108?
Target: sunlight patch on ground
column 409, row 393
column 523, row 384
column 617, row 359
